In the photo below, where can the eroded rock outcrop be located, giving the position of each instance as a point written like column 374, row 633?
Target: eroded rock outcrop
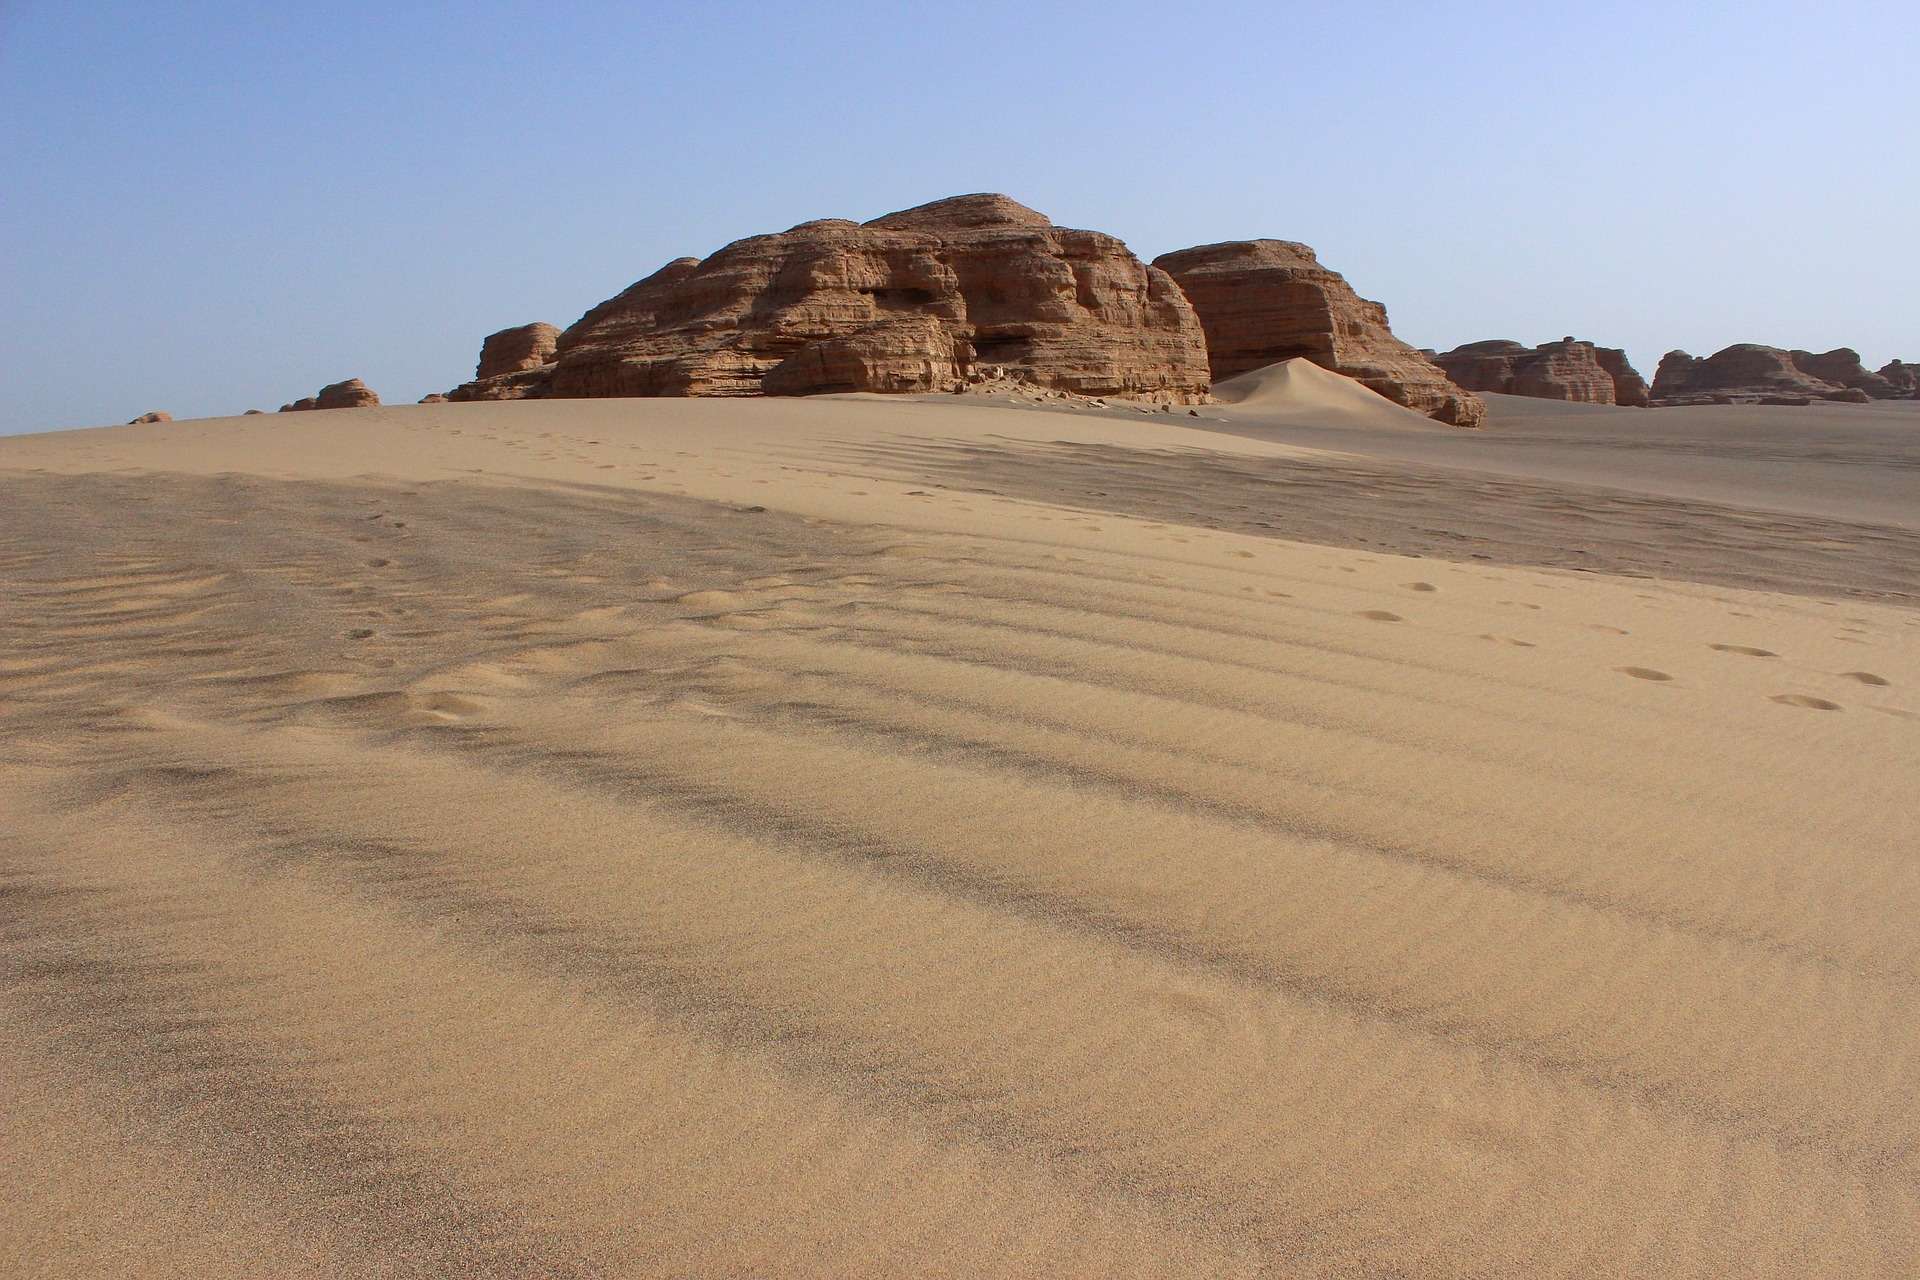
column 1748, row 372
column 351, row 394
column 1629, row 388
column 151, row 415
column 1570, row 369
column 1264, row 301
column 1904, row 378
column 929, row 299
column 515, row 364
column 1842, row 367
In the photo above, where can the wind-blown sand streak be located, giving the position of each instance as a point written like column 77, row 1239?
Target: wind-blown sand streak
column 437, row 846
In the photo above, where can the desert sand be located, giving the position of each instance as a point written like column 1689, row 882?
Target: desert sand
column 862, row 836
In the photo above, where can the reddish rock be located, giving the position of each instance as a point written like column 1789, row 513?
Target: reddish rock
column 527, row 346
column 152, row 415
column 251, row 412
column 1748, row 371
column 1569, row 369
column 1484, row 366
column 1629, row 388
column 435, row 398
column 1265, row 301
column 1842, row 367
column 1904, row 378
column 351, row 394
column 920, row 300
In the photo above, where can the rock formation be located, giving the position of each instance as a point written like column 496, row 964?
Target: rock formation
column 1264, row 301
column 959, row 291
column 1842, row 367
column 252, row 412
column 152, row 415
column 351, row 394
column 1629, row 388
column 515, row 364
column 526, row 346
column 1904, row 378
column 433, row 398
column 1569, row 369
column 1748, row 372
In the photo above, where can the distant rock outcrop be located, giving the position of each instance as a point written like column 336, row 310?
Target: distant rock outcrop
column 1748, row 372
column 1569, row 369
column 962, row 291
column 152, row 415
column 433, row 398
column 1904, row 378
column 351, row 394
column 1842, row 367
column 1265, row 301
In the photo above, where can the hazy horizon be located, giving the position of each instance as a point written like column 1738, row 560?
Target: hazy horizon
column 214, row 209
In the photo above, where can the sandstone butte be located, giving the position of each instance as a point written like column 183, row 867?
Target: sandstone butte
column 1747, row 371
column 1570, row 369
column 1264, row 301
column 351, row 394
column 971, row 289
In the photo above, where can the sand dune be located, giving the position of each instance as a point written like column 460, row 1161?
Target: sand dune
column 878, row 838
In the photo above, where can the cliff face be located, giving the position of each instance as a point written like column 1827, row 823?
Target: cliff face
column 1264, row 301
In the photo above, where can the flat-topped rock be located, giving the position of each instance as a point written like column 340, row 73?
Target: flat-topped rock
column 1262, row 302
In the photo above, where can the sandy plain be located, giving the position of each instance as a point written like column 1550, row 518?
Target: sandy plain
column 868, row 837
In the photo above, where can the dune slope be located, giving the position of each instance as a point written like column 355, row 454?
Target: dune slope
column 618, row 838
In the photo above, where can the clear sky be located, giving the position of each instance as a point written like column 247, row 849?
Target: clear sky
column 214, row 206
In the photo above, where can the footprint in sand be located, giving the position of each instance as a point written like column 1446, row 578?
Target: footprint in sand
column 1381, row 615
column 1866, row 677
column 1643, row 673
column 1419, row 586
column 378, row 563
column 360, row 633
column 1518, row 644
column 1612, row 631
column 1805, row 700
column 1749, row 650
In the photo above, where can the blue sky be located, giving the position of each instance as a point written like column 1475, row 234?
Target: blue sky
column 216, row 206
